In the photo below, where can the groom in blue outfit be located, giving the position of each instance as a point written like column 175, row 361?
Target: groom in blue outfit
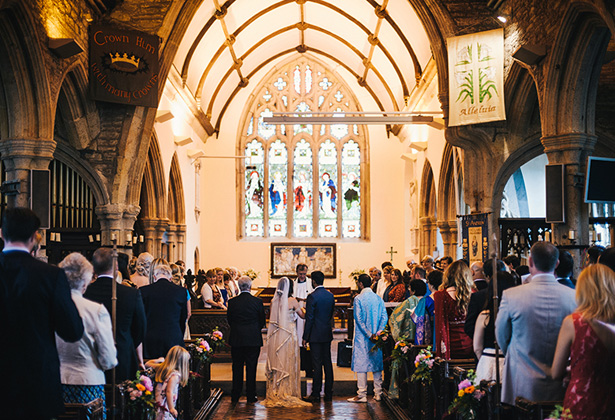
column 370, row 317
column 319, row 334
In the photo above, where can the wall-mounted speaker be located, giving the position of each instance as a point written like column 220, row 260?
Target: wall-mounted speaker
column 40, row 199
column 554, row 185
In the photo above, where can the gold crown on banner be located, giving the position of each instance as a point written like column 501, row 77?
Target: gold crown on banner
column 124, row 58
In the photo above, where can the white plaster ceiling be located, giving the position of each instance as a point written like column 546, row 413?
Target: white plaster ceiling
column 263, row 32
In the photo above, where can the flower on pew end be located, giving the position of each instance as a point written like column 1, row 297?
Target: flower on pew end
column 147, row 383
column 466, row 403
column 423, row 364
column 139, row 393
column 464, row 384
column 559, row 413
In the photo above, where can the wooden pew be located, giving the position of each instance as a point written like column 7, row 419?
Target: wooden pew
column 88, row 411
column 203, row 321
column 534, row 410
column 444, row 381
column 420, row 396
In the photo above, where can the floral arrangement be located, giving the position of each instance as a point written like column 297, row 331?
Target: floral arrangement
column 251, row 273
column 560, row 414
column 217, row 338
column 201, row 350
column 467, row 401
column 400, row 351
column 204, row 348
column 380, row 338
column 140, row 394
column 356, row 273
column 423, row 364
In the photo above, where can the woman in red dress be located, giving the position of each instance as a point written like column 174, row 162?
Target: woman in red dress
column 397, row 289
column 587, row 336
column 450, row 305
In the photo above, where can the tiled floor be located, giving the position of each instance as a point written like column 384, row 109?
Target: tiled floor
column 338, row 409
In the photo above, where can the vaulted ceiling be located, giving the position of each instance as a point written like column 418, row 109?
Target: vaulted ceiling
column 381, row 43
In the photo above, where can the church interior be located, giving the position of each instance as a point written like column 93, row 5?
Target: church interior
column 173, row 178
column 143, row 124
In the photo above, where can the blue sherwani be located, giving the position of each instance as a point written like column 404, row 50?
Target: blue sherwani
column 370, row 316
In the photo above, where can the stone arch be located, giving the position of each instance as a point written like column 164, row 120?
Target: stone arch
column 152, row 221
column 93, row 178
column 450, row 191
column 176, row 206
column 427, row 212
column 77, row 118
column 574, row 66
column 531, row 149
column 176, row 212
column 23, row 74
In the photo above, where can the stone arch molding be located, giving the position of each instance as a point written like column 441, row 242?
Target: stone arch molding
column 573, row 69
column 24, row 74
column 427, row 212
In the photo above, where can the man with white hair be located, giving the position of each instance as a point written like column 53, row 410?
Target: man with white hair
column 166, row 312
column 246, row 317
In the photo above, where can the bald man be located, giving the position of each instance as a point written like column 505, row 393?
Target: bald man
column 478, row 275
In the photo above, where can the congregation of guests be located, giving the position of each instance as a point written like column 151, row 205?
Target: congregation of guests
column 544, row 324
column 554, row 334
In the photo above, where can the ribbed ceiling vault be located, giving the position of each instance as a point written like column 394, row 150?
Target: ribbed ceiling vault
column 382, row 44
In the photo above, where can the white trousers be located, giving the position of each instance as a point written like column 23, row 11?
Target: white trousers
column 362, row 383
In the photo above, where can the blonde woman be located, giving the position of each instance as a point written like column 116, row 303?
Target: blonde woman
column 587, row 337
column 385, row 282
column 450, row 307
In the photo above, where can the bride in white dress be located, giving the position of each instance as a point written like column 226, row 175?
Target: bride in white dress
column 282, row 369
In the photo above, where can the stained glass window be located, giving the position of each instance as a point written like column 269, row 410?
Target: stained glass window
column 327, row 189
column 302, row 189
column 277, row 191
column 351, row 188
column 254, row 172
column 302, row 181
column 265, row 130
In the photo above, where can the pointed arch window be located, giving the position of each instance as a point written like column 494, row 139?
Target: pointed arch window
column 302, row 180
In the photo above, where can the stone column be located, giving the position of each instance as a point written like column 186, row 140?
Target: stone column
column 118, row 220
column 428, row 236
column 172, row 242
column 19, row 157
column 572, row 150
column 448, row 230
column 181, row 242
column 161, row 228
column 149, row 227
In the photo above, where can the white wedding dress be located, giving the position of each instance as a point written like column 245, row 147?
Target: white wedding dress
column 282, row 369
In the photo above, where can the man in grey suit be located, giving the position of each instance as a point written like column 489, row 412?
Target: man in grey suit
column 527, row 326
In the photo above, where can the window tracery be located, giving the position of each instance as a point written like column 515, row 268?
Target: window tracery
column 300, row 180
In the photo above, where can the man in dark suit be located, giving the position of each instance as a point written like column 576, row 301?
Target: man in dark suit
column 130, row 314
column 35, row 304
column 246, row 317
column 477, row 300
column 166, row 309
column 319, row 334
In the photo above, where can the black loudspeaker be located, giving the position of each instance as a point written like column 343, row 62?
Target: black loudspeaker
column 40, row 201
column 344, row 353
column 554, row 185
